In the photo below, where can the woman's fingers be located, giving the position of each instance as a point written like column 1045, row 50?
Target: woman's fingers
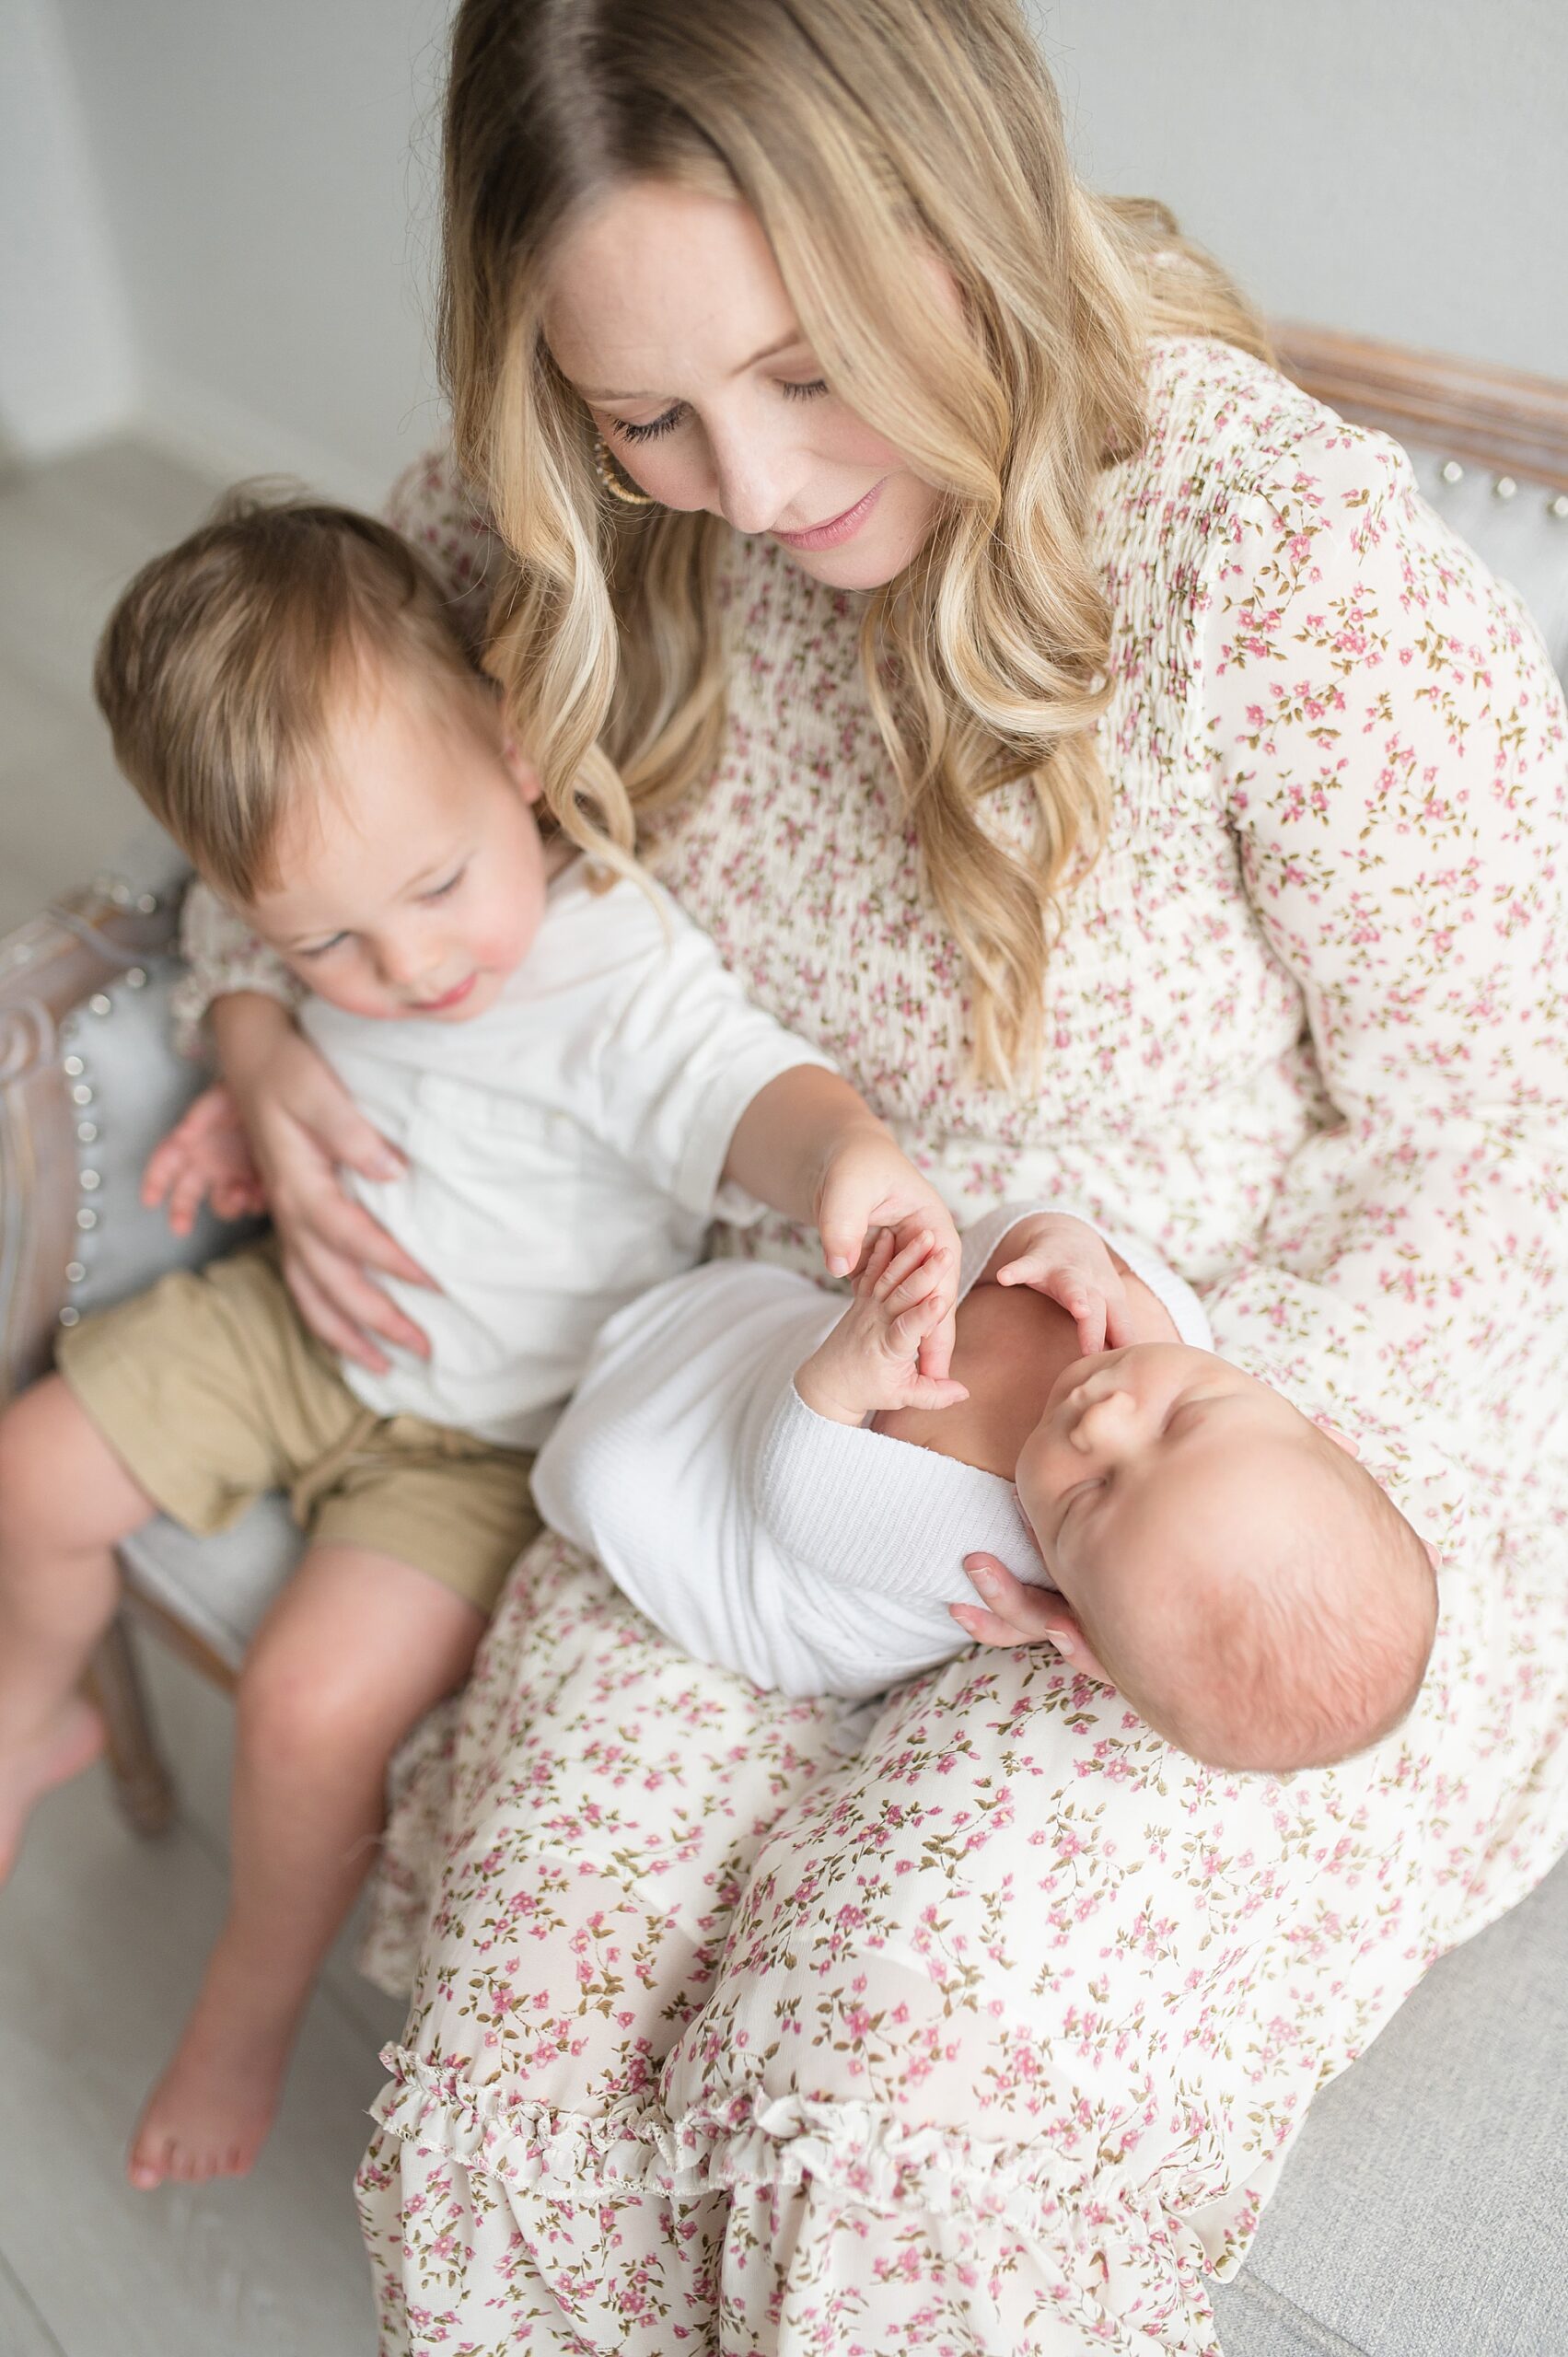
column 344, row 1226
column 344, row 1135
column 983, row 1626
column 354, row 1298
column 329, row 1325
column 1014, row 1603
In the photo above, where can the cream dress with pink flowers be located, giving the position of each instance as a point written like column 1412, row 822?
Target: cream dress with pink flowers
column 980, row 2022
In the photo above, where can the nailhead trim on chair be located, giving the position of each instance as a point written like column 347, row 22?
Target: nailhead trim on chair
column 74, row 1064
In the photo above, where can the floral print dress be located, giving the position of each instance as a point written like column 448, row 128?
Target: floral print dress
column 979, row 2020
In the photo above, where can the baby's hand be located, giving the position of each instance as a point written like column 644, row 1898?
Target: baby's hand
column 869, row 1188
column 1063, row 1259
column 205, row 1158
column 872, row 1359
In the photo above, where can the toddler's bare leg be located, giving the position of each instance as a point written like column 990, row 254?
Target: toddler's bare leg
column 65, row 1500
column 355, row 1650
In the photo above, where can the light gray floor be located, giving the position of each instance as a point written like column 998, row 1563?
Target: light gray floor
column 102, row 1936
column 70, row 535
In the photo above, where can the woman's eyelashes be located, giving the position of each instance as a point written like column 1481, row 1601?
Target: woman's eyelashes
column 649, row 432
column 674, row 416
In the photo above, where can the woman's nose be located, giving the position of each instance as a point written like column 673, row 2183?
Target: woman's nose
column 755, row 481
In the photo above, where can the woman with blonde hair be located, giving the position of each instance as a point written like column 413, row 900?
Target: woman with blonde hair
column 1101, row 750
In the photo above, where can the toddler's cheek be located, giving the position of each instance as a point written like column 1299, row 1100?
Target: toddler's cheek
column 362, row 998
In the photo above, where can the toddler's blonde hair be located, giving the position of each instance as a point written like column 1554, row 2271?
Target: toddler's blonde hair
column 218, row 669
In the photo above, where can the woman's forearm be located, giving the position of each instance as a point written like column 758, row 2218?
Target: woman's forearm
column 246, row 1028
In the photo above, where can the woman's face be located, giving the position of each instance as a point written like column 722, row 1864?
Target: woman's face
column 668, row 314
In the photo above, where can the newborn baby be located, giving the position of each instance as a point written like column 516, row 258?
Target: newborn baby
column 776, row 1483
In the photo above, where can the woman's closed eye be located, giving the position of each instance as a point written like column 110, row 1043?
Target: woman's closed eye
column 673, row 416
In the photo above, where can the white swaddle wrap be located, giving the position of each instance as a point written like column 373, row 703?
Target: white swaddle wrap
column 814, row 1557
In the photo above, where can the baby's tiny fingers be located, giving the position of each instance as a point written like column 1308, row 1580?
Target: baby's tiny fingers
column 1091, row 1324
column 899, row 1268
column 878, row 1253
column 924, row 1283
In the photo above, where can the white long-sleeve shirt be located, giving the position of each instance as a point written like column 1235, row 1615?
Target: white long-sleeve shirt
column 816, row 1557
column 566, row 1148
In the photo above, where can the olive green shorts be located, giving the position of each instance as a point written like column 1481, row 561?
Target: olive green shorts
column 211, row 1390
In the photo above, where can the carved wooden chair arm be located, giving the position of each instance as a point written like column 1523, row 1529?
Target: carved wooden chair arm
column 65, row 960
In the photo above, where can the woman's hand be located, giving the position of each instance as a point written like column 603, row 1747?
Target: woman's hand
column 303, row 1126
column 1016, row 1612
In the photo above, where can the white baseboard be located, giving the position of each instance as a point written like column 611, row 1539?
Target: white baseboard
column 229, row 442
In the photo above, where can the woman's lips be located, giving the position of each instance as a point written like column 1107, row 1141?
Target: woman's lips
column 838, row 528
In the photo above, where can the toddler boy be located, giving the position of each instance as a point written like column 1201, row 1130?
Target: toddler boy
column 571, row 1081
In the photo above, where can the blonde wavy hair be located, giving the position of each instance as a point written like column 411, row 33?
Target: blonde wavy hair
column 867, row 136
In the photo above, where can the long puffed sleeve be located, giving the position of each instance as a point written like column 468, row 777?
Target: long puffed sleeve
column 431, row 505
column 1390, row 739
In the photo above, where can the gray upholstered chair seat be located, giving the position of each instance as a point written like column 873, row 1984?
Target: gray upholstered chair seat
column 220, row 1587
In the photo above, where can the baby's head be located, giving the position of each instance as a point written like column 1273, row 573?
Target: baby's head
column 1225, row 1562
column 287, row 693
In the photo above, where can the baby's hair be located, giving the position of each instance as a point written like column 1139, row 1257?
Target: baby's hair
column 1311, row 1654
column 216, row 667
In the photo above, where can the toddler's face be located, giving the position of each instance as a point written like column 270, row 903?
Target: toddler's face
column 412, row 881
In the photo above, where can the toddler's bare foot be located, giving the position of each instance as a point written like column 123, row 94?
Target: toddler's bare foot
column 66, row 1746
column 209, row 2114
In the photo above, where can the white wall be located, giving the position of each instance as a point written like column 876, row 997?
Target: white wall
column 66, row 367
column 1397, row 168
column 271, row 173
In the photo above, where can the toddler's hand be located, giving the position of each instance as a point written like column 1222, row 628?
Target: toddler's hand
column 1063, row 1259
column 868, row 1186
column 205, row 1158
column 871, row 1360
